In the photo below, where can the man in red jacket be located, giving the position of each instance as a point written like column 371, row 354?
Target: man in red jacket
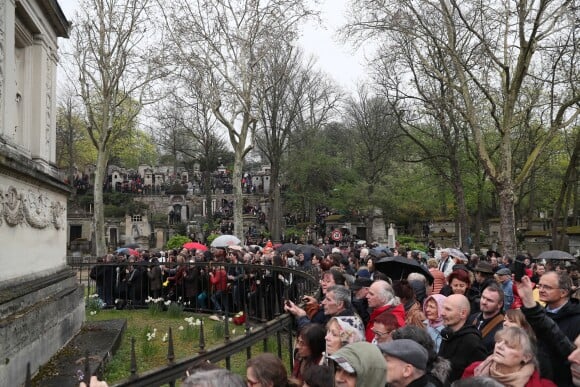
column 381, row 298
column 219, row 279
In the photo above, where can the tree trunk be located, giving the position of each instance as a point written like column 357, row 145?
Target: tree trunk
column 569, row 182
column 99, row 214
column 459, row 193
column 274, row 217
column 507, row 219
column 238, row 194
column 206, row 178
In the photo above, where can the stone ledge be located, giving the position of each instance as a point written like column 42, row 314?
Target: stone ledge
column 99, row 339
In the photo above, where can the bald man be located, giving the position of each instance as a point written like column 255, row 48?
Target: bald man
column 462, row 344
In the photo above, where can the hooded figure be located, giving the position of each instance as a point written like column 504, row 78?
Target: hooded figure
column 434, row 325
column 364, row 361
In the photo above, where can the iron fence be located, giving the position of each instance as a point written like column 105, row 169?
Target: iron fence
column 259, row 291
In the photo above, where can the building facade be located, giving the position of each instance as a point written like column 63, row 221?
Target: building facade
column 41, row 305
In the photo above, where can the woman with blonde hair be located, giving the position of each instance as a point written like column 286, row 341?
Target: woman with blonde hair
column 513, row 361
column 343, row 330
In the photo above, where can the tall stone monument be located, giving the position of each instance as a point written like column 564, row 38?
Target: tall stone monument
column 41, row 304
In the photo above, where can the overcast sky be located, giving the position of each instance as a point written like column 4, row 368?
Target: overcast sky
column 341, row 62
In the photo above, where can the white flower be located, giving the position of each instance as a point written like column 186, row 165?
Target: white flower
column 233, row 331
column 181, row 328
column 167, row 302
column 164, row 339
column 154, row 329
column 198, row 322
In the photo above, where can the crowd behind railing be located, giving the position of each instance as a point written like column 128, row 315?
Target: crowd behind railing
column 451, row 319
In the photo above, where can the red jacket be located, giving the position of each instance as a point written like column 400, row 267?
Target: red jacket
column 534, row 381
column 398, row 311
column 219, row 280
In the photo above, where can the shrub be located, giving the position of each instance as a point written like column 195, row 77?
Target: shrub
column 177, row 241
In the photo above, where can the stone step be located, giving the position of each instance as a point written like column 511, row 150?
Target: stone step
column 99, row 339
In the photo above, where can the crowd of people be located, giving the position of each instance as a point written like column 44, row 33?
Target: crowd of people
column 471, row 322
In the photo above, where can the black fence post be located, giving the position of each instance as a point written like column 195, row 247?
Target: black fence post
column 170, row 350
column 133, row 359
column 226, row 327
column 201, row 338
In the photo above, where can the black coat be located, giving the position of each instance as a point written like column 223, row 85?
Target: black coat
column 488, row 340
column 555, row 333
column 461, row 348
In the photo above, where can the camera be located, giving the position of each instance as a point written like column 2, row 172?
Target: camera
column 519, row 268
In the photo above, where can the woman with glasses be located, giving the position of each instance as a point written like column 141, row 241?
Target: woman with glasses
column 385, row 324
column 310, row 345
column 267, row 370
column 343, row 330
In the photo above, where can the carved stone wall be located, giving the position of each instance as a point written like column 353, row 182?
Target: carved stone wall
column 41, row 303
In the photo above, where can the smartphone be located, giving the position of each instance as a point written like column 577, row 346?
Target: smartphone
column 519, row 270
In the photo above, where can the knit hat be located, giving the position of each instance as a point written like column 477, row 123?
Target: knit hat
column 406, row 350
column 352, row 329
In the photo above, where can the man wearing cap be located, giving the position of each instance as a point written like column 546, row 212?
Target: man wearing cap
column 483, row 277
column 360, row 289
column 406, row 363
column 359, row 365
column 504, row 277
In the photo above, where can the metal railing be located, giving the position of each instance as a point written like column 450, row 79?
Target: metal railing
column 258, row 290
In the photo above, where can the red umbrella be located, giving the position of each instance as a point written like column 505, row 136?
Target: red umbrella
column 133, row 252
column 195, row 246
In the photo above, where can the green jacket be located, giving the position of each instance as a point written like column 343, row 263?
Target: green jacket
column 367, row 361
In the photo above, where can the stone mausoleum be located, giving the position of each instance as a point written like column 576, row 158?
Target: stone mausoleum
column 41, row 305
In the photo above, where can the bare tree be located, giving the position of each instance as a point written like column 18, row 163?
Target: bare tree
column 192, row 125
column 287, row 83
column 225, row 42
column 375, row 128
column 114, row 67
column 485, row 54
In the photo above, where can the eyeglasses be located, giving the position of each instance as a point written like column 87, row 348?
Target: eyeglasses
column 381, row 334
column 545, row 287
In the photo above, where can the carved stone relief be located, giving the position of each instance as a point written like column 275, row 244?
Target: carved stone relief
column 31, row 208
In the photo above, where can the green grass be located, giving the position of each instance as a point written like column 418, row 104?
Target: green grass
column 153, row 353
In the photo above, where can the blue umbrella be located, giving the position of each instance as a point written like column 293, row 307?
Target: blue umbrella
column 122, row 250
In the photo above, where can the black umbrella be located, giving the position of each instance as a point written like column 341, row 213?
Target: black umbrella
column 310, row 250
column 556, row 255
column 287, row 247
column 399, row 268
